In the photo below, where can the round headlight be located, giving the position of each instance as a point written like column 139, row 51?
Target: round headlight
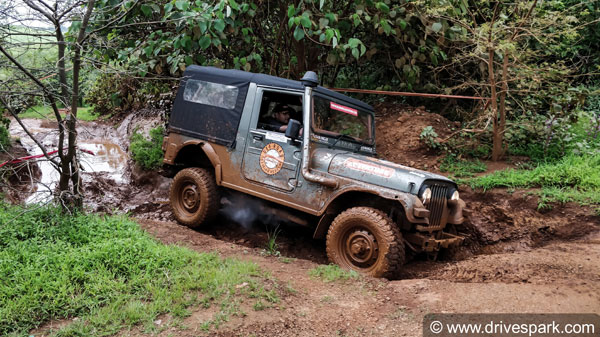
column 426, row 197
column 455, row 196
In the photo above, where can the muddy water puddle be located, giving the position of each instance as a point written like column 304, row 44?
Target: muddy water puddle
column 99, row 156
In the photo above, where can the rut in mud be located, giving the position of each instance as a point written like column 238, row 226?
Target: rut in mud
column 496, row 221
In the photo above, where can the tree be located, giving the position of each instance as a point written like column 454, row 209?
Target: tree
column 25, row 83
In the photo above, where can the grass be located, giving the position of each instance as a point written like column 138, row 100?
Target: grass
column 332, row 272
column 461, row 168
column 573, row 178
column 43, row 112
column 109, row 274
column 271, row 247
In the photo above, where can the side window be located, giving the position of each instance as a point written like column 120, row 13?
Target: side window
column 277, row 109
column 215, row 94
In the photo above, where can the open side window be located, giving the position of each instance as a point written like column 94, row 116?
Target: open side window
column 277, row 108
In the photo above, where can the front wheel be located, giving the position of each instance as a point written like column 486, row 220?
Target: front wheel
column 366, row 240
column 194, row 197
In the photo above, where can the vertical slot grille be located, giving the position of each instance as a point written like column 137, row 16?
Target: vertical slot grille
column 437, row 205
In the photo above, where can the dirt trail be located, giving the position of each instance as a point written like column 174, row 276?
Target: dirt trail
column 560, row 277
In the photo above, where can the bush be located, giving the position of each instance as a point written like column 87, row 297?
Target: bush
column 114, row 93
column 148, row 154
column 4, row 136
column 4, row 139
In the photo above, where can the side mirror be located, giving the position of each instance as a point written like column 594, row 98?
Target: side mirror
column 293, row 129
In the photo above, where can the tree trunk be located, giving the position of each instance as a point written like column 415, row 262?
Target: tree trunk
column 497, row 135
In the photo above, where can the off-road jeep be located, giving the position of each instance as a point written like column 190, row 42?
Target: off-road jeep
column 322, row 172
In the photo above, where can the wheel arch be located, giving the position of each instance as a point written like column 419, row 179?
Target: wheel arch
column 356, row 198
column 195, row 153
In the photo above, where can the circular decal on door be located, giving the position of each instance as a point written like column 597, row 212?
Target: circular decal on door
column 272, row 158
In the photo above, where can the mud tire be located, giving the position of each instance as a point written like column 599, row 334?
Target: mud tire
column 194, row 197
column 358, row 231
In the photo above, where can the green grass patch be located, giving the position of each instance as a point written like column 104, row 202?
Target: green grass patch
column 147, row 153
column 43, row 112
column 573, row 178
column 332, row 272
column 461, row 168
column 109, row 273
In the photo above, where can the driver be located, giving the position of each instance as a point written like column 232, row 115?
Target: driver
column 280, row 118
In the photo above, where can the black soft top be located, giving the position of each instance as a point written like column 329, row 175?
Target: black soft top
column 219, row 124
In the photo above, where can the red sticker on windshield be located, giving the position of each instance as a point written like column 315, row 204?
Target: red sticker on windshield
column 342, row 108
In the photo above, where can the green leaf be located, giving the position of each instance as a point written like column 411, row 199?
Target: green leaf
column 355, row 53
column 322, row 37
column 329, row 34
column 234, row 5
column 203, row 26
column 204, row 42
column 291, row 11
column 182, row 5
column 323, row 23
column 298, row 33
column 363, row 49
column 290, row 22
column 147, row 10
column 188, row 60
column 219, row 25
column 436, row 27
column 321, row 3
column 148, row 51
column 434, row 59
column 305, row 21
column 168, row 8
column 353, row 43
column 402, row 24
column 382, row 7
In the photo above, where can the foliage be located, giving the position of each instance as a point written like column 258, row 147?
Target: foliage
column 112, row 93
column 148, row 154
column 4, row 136
column 429, row 137
column 332, row 272
column 107, row 272
column 461, row 168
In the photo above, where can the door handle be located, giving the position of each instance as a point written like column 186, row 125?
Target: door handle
column 258, row 137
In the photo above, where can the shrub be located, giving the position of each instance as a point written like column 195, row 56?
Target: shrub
column 4, row 139
column 148, row 154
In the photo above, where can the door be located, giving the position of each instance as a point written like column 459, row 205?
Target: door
column 271, row 158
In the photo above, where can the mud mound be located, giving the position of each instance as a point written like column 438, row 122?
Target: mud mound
column 398, row 131
column 17, row 181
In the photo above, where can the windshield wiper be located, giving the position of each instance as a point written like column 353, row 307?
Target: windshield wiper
column 342, row 136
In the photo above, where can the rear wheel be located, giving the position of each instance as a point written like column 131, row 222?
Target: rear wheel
column 194, row 197
column 366, row 240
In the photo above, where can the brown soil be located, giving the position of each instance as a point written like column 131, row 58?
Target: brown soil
column 398, row 131
column 17, row 180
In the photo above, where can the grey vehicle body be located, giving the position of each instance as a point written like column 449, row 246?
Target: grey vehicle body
column 319, row 173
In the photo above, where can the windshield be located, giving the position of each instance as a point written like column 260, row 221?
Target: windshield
column 334, row 119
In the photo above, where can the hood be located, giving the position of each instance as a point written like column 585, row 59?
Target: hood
column 373, row 171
